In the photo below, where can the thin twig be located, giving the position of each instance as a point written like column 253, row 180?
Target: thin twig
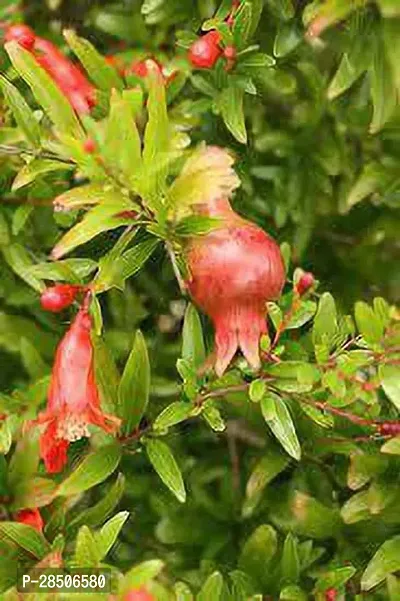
column 175, row 267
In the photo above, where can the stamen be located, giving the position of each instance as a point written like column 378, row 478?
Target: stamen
column 72, row 427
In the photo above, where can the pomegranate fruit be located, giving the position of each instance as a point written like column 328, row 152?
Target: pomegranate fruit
column 205, row 51
column 234, row 270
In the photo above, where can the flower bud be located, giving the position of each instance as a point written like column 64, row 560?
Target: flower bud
column 30, row 517
column 22, row 34
column 331, row 594
column 205, row 51
column 304, row 284
column 140, row 594
column 59, row 297
column 89, row 146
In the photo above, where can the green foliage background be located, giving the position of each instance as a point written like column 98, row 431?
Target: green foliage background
column 313, row 122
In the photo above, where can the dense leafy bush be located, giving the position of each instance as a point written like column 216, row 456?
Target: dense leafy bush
column 278, row 478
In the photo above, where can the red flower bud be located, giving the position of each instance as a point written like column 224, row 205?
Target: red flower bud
column 30, row 517
column 331, row 594
column 59, row 297
column 89, row 146
column 22, row 34
column 73, row 398
column 140, row 594
column 234, row 270
column 141, row 68
column 205, row 51
column 304, row 284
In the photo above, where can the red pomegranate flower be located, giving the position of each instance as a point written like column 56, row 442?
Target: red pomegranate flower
column 140, row 594
column 22, row 34
column 234, row 270
column 30, row 517
column 73, row 398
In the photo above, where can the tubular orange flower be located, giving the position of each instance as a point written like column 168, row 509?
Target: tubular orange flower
column 30, row 517
column 73, row 398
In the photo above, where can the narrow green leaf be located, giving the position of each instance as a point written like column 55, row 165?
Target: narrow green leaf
column 22, row 112
column 36, row 168
column 88, row 194
column 231, row 105
column 99, row 219
column 383, row 90
column 258, row 551
column 283, row 428
column 243, row 24
column 164, row 463
column 104, row 75
column 385, row 561
column 21, row 217
column 353, row 64
column 267, row 468
column 390, row 380
column 183, row 592
column 368, row 324
column 46, row 92
column 86, row 550
column 212, row 588
column 392, row 446
column 26, row 538
column 106, row 537
column 173, row 414
column 213, row 417
column 134, row 388
column 93, row 469
column 290, row 563
column 122, row 145
column 95, row 515
column 193, row 349
column 257, row 390
column 286, row 40
column 20, row 262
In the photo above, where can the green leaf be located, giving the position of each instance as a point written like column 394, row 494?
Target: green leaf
column 369, row 181
column 156, row 141
column 325, row 323
column 389, row 8
column 183, row 592
column 212, row 415
column 292, row 593
column 383, row 91
column 353, row 64
column 114, row 269
column 175, row 413
column 231, row 106
column 25, row 459
column 69, row 270
column 392, row 45
column 196, row 225
column 93, row 516
column 283, row 428
column 86, row 550
column 212, row 588
column 385, row 561
column 22, row 112
column 368, row 324
column 268, row 467
column 258, row 551
column 134, row 388
column 392, row 446
column 20, row 218
column 104, row 75
column 336, row 578
column 88, row 194
column 93, row 469
column 164, row 463
column 257, row 390
column 141, row 574
column 290, row 563
column 122, row 145
column 46, row 92
column 193, row 349
column 390, row 380
column 36, row 492
column 36, row 168
column 243, row 24
column 20, row 262
column 26, row 538
column 99, row 219
column 302, row 315
column 106, row 537
column 257, row 60
column 286, row 40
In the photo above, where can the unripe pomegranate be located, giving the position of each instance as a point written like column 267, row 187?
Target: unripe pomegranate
column 234, row 270
column 140, row 594
column 205, row 51
column 58, row 297
column 22, row 34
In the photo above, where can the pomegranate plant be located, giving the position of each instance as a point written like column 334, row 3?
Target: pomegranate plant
column 199, row 337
